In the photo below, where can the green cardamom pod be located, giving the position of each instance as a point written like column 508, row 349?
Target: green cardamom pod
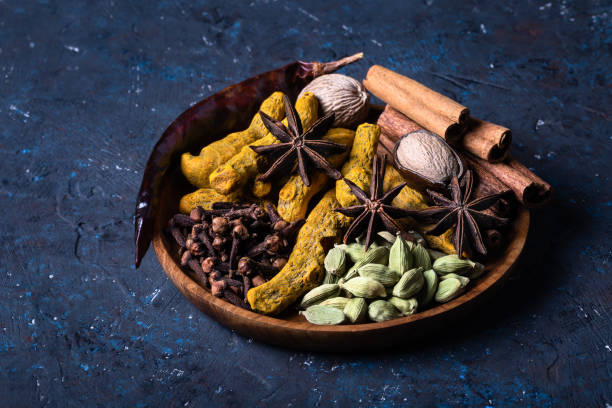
column 387, row 236
column 338, row 302
column 452, row 264
column 380, row 273
column 319, row 294
column 405, row 306
column 356, row 310
column 364, row 287
column 352, row 273
column 329, row 278
column 464, row 281
column 421, row 257
column 335, row 261
column 448, row 289
column 400, row 256
column 409, row 284
column 378, row 255
column 429, row 287
column 355, row 251
column 381, row 310
column 327, row 315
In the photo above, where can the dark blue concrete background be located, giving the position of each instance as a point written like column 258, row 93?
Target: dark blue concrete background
column 86, row 88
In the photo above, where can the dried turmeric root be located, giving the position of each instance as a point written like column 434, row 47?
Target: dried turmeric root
column 304, row 269
column 411, row 199
column 358, row 168
column 197, row 169
column 294, row 196
column 244, row 166
column 204, row 197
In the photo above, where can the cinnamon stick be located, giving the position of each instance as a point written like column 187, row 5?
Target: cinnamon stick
column 487, row 140
column 439, row 114
column 427, row 107
column 528, row 188
column 488, row 183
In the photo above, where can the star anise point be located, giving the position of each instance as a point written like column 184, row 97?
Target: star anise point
column 296, row 145
column 462, row 212
column 375, row 208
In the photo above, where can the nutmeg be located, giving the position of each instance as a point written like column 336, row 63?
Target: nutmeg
column 341, row 94
column 426, row 159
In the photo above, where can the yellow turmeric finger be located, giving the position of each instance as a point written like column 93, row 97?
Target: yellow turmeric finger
column 197, row 169
column 294, row 196
column 411, row 199
column 244, row 166
column 204, row 197
column 304, row 268
column 358, row 167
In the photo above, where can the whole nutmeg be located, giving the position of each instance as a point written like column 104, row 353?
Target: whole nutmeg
column 220, row 225
column 341, row 94
column 426, row 160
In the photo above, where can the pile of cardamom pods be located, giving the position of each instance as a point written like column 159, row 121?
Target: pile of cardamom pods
column 393, row 278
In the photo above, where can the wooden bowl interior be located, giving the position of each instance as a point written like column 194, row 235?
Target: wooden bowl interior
column 292, row 330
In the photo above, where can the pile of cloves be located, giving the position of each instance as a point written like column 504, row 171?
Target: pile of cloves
column 233, row 247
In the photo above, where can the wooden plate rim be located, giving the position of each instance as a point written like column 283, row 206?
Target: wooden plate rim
column 237, row 317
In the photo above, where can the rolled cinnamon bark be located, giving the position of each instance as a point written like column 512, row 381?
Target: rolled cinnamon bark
column 528, row 188
column 483, row 139
column 395, row 123
column 487, row 140
column 425, row 106
column 488, row 183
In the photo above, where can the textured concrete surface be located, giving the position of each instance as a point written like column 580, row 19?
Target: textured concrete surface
column 86, row 88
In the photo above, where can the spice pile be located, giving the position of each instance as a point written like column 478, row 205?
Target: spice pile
column 233, row 247
column 394, row 278
column 307, row 182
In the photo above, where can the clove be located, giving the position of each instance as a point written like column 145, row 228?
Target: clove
column 212, row 244
column 197, row 214
column 258, row 280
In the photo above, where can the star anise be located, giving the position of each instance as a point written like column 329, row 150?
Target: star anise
column 296, row 145
column 460, row 210
column 375, row 209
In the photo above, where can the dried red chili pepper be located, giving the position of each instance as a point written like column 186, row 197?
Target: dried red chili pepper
column 210, row 119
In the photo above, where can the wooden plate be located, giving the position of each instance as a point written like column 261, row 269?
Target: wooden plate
column 292, row 330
